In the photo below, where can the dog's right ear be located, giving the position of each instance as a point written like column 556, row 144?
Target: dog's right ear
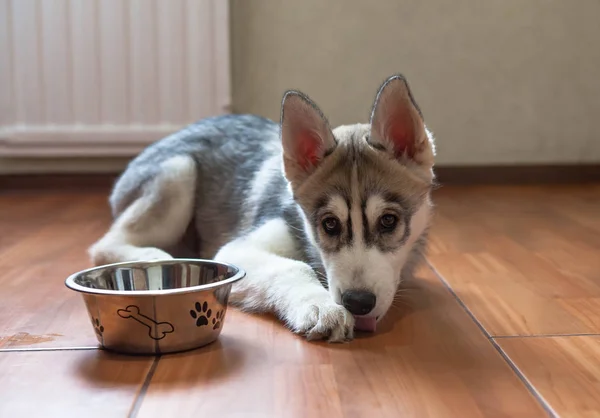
column 305, row 135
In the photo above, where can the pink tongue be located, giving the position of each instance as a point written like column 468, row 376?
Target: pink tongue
column 365, row 324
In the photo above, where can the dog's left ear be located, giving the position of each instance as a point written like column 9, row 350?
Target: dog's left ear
column 305, row 134
column 397, row 124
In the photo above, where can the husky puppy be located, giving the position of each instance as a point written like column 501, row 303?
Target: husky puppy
column 325, row 222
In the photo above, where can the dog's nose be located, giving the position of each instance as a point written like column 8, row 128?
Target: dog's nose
column 358, row 302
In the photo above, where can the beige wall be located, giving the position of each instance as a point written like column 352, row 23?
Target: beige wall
column 62, row 165
column 500, row 81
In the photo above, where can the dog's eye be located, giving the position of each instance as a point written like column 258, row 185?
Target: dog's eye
column 331, row 226
column 388, row 222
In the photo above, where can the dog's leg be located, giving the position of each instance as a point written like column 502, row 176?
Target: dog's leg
column 286, row 287
column 157, row 218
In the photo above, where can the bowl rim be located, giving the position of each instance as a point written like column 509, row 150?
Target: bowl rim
column 71, row 284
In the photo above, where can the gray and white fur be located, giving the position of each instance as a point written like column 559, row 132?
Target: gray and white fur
column 325, row 222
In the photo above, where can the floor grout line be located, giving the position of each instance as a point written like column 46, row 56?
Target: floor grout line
column 25, row 349
column 137, row 403
column 582, row 334
column 507, row 359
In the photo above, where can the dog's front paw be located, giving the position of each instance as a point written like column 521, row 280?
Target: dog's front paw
column 148, row 254
column 103, row 254
column 323, row 319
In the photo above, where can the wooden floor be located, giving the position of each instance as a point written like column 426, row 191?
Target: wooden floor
column 503, row 321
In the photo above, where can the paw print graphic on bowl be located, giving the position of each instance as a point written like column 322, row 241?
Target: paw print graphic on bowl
column 217, row 320
column 201, row 313
column 98, row 326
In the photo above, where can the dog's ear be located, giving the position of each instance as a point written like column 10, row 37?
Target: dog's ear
column 397, row 123
column 305, row 135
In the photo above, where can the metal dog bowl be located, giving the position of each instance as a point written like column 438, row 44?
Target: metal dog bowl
column 156, row 307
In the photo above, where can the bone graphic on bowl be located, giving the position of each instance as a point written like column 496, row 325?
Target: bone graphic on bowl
column 157, row 330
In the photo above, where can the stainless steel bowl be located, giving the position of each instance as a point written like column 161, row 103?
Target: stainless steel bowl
column 156, row 307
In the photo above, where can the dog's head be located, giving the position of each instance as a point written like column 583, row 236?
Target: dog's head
column 363, row 190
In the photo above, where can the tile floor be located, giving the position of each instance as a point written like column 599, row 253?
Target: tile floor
column 504, row 320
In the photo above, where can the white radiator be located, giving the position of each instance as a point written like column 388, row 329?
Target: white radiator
column 107, row 77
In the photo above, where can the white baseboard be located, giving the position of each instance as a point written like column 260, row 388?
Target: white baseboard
column 80, row 141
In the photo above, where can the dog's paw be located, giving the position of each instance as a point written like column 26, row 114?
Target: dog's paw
column 323, row 320
column 148, row 254
column 103, row 254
